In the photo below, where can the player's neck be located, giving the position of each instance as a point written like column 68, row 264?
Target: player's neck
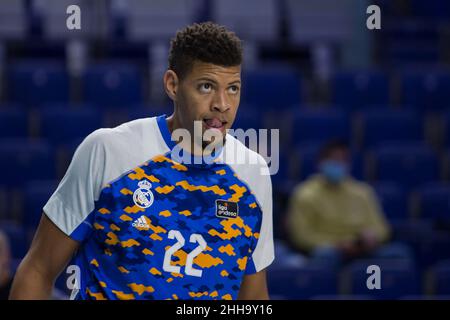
column 173, row 124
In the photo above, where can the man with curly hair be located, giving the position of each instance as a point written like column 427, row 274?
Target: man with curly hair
column 147, row 210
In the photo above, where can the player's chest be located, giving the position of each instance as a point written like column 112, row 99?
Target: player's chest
column 151, row 208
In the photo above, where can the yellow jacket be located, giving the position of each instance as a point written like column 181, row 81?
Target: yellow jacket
column 322, row 214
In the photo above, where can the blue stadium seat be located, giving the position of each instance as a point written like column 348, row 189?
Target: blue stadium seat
column 301, row 283
column 13, row 20
column 388, row 125
column 13, row 122
column 408, row 164
column 435, row 202
column 253, row 20
column 436, row 9
column 319, row 126
column 25, row 160
column 248, row 117
column 308, row 157
column 155, row 20
column 36, row 194
column 433, row 248
column 113, row 84
column 64, row 126
column 17, row 238
column 42, row 80
column 358, row 89
column 426, row 90
column 440, row 278
column 393, row 200
column 282, row 180
column 397, row 279
column 445, row 119
column 271, row 88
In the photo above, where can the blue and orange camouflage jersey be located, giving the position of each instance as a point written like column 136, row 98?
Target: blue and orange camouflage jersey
column 152, row 226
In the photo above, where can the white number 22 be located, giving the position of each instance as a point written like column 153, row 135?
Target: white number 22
column 190, row 257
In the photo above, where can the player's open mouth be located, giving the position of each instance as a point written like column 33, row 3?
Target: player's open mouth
column 214, row 123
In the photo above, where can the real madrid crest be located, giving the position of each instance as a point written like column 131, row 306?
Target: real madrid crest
column 143, row 196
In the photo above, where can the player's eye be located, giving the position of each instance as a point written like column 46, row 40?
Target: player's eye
column 233, row 89
column 205, row 87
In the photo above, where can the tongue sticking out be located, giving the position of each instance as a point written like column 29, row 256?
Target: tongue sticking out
column 213, row 123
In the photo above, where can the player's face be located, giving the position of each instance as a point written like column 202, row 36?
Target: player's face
column 210, row 94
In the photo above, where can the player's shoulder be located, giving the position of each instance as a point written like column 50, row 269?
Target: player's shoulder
column 119, row 137
column 237, row 152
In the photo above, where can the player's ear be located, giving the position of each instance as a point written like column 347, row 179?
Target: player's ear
column 171, row 84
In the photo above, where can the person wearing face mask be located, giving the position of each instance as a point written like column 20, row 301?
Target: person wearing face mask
column 333, row 217
column 6, row 276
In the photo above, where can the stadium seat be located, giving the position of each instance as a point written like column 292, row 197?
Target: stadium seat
column 440, row 278
column 274, row 88
column 388, row 125
column 319, row 126
column 408, row 164
column 393, row 200
column 426, row 90
column 358, row 89
column 17, row 238
column 13, row 122
column 301, row 283
column 248, row 117
column 324, row 20
column 397, row 279
column 52, row 15
column 113, row 84
column 252, row 20
column 64, row 126
column 435, row 202
column 36, row 194
column 13, row 19
column 445, row 126
column 156, row 20
column 43, row 81
column 25, row 160
column 437, row 9
column 433, row 248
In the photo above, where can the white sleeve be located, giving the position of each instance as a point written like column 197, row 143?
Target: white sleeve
column 72, row 203
column 257, row 177
column 264, row 254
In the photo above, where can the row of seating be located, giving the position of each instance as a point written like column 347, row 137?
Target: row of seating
column 398, row 281
column 120, row 84
column 298, row 127
column 253, row 20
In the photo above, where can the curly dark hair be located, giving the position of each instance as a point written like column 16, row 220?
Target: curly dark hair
column 206, row 42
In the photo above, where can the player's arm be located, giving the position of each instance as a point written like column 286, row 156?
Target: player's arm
column 49, row 253
column 254, row 287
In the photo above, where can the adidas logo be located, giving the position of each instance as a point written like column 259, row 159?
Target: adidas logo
column 140, row 223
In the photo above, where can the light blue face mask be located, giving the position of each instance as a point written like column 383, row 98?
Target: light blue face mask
column 334, row 171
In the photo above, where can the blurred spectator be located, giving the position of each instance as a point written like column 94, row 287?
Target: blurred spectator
column 334, row 218
column 6, row 276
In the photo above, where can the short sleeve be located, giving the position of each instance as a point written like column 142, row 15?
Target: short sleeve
column 72, row 203
column 263, row 254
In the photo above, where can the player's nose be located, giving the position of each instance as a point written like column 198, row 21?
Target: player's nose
column 220, row 102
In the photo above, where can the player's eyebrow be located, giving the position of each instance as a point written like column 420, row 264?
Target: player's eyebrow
column 206, row 79
column 235, row 82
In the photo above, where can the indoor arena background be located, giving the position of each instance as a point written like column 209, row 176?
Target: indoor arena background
column 311, row 69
